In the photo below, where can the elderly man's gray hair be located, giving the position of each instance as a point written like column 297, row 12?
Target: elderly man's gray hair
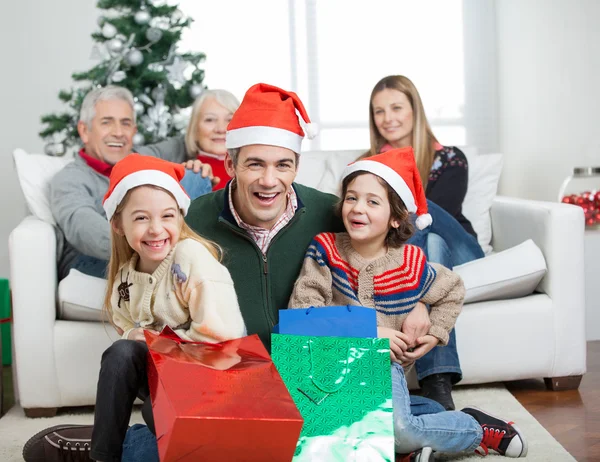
column 111, row 92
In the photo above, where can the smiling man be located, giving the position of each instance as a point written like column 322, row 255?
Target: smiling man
column 262, row 219
column 106, row 127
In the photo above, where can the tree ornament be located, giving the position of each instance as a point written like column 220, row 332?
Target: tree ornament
column 54, row 149
column 176, row 16
column 118, row 76
column 101, row 20
column 196, row 90
column 141, row 17
column 109, row 31
column 154, row 34
column 115, row 46
column 160, row 22
column 138, row 139
column 159, row 93
column 138, row 108
column 176, row 72
column 134, row 57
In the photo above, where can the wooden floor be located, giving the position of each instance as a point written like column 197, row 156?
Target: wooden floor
column 572, row 417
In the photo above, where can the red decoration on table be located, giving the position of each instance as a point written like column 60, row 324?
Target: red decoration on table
column 589, row 201
column 223, row 401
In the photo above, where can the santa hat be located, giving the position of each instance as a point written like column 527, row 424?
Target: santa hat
column 267, row 115
column 399, row 169
column 137, row 170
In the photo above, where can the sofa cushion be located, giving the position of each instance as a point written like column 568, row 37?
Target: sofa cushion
column 35, row 172
column 80, row 297
column 484, row 175
column 512, row 273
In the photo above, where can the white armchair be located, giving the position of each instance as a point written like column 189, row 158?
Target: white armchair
column 542, row 334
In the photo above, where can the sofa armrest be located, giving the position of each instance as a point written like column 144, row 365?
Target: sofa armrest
column 558, row 230
column 33, row 278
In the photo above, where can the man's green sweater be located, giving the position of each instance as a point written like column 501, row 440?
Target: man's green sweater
column 264, row 283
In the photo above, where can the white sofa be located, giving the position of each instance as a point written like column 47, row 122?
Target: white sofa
column 537, row 334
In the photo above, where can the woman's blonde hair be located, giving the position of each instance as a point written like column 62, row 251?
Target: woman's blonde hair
column 423, row 140
column 224, row 98
column 121, row 252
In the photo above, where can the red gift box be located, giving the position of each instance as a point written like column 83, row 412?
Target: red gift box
column 223, row 401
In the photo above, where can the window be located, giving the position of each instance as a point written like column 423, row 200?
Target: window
column 332, row 52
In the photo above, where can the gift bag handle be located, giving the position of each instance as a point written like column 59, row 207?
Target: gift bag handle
column 312, row 372
column 308, row 310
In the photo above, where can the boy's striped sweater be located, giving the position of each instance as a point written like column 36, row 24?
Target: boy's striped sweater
column 333, row 273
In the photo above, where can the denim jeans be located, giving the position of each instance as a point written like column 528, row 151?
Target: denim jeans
column 140, row 445
column 195, row 185
column 91, row 266
column 448, row 431
column 122, row 378
column 452, row 246
column 445, row 242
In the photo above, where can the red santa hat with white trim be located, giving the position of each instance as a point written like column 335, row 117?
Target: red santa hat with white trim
column 267, row 115
column 399, row 169
column 137, row 170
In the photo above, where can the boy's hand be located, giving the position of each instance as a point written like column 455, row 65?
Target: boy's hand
column 416, row 324
column 424, row 345
column 398, row 345
column 138, row 334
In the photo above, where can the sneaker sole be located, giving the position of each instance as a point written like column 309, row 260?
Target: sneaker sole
column 39, row 435
column 426, row 455
column 517, row 429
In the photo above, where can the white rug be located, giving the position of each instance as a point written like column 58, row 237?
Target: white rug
column 15, row 428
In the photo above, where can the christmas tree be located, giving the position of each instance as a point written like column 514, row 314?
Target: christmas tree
column 136, row 45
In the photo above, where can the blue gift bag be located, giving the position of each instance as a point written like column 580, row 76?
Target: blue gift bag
column 328, row 321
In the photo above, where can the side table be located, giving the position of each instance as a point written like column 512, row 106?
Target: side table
column 592, row 285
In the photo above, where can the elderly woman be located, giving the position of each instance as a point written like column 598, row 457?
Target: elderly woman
column 204, row 139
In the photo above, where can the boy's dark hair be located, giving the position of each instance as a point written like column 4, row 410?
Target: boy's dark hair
column 396, row 237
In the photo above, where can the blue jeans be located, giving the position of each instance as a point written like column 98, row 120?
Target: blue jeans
column 91, row 266
column 140, row 445
column 445, row 242
column 195, row 185
column 448, row 431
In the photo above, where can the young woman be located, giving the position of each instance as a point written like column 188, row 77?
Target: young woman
column 397, row 119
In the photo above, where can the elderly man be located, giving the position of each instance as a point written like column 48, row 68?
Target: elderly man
column 106, row 127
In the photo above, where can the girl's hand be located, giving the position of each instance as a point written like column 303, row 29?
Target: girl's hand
column 138, row 334
column 398, row 344
column 416, row 324
column 424, row 345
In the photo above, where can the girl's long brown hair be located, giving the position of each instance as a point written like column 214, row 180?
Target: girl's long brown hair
column 121, row 251
column 423, row 140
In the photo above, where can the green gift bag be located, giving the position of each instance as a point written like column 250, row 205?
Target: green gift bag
column 5, row 320
column 343, row 389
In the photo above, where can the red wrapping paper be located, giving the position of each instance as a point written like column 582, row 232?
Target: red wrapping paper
column 223, row 401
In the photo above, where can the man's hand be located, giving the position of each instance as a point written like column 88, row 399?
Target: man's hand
column 416, row 324
column 398, row 345
column 198, row 166
column 424, row 345
column 138, row 334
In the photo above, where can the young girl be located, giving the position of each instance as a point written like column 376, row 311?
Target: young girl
column 371, row 265
column 160, row 274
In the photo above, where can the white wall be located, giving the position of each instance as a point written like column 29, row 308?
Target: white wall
column 549, row 101
column 43, row 43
